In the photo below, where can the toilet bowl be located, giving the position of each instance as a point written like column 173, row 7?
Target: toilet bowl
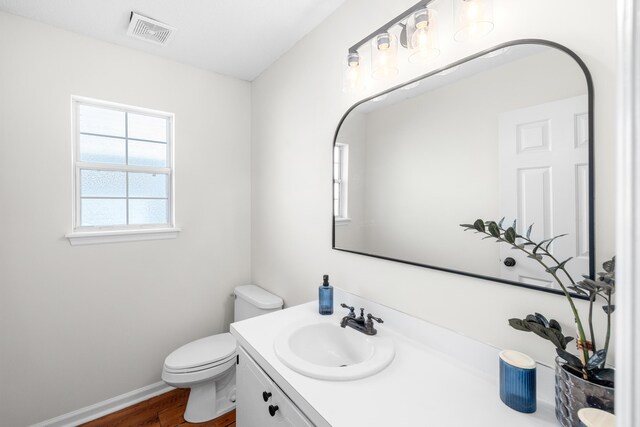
column 207, row 365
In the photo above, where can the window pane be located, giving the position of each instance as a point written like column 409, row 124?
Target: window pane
column 147, row 185
column 101, row 121
column 147, row 154
column 147, row 127
column 103, row 212
column 102, row 183
column 148, row 211
column 102, row 150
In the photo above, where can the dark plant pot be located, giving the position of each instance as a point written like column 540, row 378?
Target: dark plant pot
column 574, row 393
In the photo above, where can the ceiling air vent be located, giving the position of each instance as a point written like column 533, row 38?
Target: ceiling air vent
column 149, row 29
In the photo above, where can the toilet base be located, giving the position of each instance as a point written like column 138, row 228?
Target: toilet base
column 201, row 405
column 211, row 399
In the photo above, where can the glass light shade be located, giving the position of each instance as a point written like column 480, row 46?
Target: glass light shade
column 353, row 80
column 473, row 19
column 384, row 56
column 422, row 36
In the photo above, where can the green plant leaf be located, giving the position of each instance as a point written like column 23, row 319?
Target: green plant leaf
column 588, row 284
column 534, row 256
column 552, row 239
column 542, row 320
column 533, row 318
column 510, row 235
column 539, row 245
column 539, row 330
column 553, row 324
column 577, row 290
column 514, row 224
column 479, row 225
column 519, row 324
column 556, row 338
column 563, row 263
column 609, row 266
column 569, row 358
column 607, row 375
column 500, row 222
column 596, row 360
column 494, row 230
column 567, row 340
column 529, row 231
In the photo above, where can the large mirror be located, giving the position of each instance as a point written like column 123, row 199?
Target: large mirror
column 505, row 133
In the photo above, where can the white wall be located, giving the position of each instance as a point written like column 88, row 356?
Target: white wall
column 82, row 324
column 296, row 106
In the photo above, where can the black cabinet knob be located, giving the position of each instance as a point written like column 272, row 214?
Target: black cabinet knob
column 266, row 395
column 272, row 410
column 509, row 262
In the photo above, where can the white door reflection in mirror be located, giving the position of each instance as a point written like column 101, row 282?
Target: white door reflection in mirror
column 544, row 164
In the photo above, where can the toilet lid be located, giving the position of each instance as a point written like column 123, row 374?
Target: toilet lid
column 202, row 352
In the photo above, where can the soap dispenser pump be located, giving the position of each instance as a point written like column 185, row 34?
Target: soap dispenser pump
column 325, row 296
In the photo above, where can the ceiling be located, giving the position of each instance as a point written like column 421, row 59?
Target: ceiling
column 231, row 37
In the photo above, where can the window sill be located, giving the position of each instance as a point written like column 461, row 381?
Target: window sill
column 342, row 221
column 95, row 237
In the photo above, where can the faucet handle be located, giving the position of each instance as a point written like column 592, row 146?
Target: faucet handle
column 351, row 309
column 377, row 319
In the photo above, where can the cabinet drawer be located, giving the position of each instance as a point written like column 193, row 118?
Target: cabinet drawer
column 253, row 386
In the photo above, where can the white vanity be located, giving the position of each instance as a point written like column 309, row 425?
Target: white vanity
column 435, row 377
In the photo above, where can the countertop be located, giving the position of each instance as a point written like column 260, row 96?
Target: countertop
column 437, row 377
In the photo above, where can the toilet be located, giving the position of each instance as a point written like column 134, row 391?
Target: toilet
column 207, row 365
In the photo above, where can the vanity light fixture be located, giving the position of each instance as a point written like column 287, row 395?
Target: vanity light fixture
column 422, row 36
column 384, row 56
column 353, row 80
column 473, row 19
column 418, row 33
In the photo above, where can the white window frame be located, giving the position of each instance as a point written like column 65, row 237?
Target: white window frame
column 120, row 233
column 343, row 182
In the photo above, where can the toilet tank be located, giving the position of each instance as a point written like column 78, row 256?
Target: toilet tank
column 252, row 300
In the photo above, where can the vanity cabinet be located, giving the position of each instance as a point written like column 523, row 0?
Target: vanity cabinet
column 259, row 401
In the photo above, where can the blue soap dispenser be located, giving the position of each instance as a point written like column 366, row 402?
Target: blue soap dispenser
column 325, row 296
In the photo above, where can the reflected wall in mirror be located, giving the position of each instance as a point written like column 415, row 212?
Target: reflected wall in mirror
column 504, row 134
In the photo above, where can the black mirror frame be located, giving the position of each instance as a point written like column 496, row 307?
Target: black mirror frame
column 589, row 82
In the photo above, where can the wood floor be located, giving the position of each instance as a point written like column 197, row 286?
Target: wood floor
column 164, row 410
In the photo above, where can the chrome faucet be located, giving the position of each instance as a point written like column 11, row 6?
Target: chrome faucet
column 359, row 323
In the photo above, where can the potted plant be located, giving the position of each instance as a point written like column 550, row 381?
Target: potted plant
column 583, row 380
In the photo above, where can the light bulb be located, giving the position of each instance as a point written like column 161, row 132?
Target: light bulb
column 474, row 19
column 353, row 81
column 422, row 35
column 384, row 49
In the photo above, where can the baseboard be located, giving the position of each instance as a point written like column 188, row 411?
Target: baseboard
column 106, row 407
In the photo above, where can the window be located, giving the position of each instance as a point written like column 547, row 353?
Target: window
column 340, row 169
column 123, row 170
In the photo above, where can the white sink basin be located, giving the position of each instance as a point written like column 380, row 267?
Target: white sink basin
column 328, row 352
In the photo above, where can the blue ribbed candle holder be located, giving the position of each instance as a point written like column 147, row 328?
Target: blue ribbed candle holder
column 518, row 381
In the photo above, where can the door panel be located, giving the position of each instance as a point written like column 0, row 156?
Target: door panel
column 544, row 181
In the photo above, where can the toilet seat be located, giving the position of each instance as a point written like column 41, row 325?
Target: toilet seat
column 201, row 354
